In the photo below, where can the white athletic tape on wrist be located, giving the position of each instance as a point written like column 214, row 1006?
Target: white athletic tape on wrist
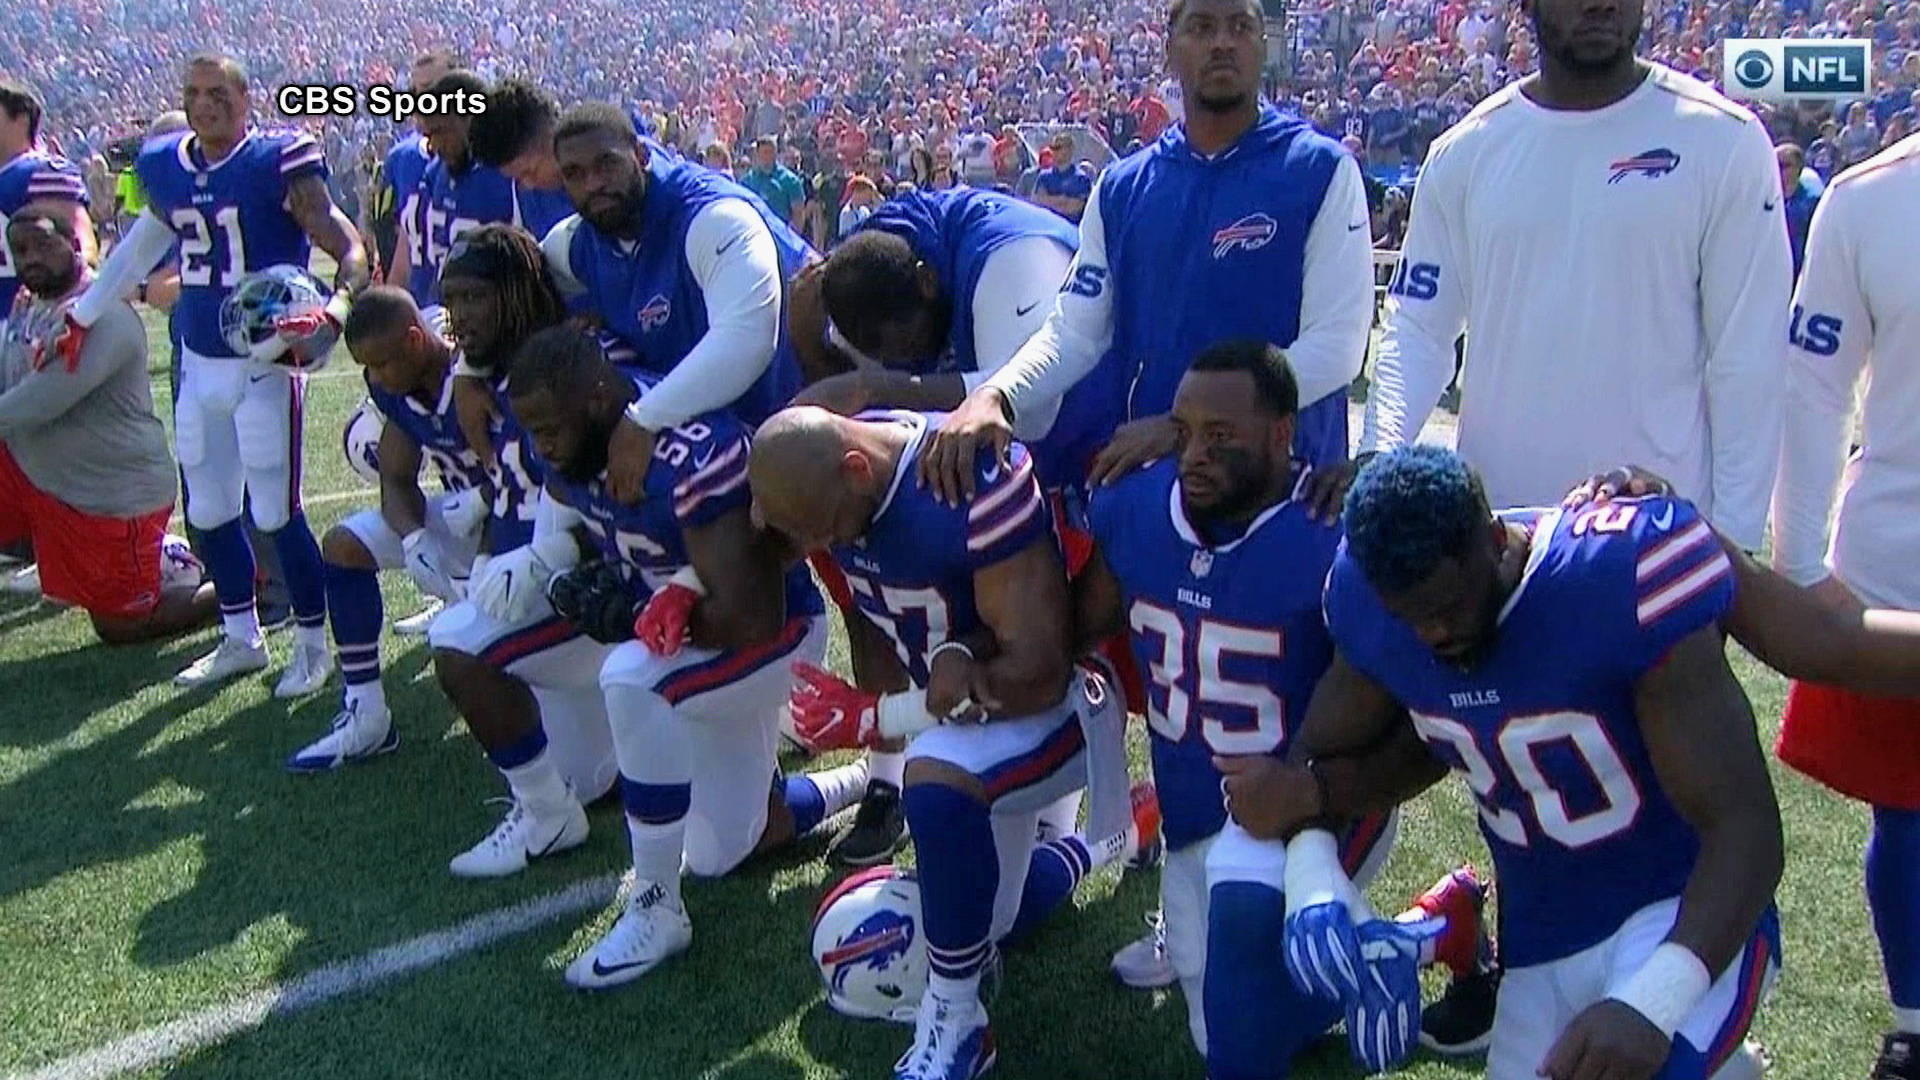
column 903, row 715
column 1313, row 873
column 339, row 305
column 1667, row 988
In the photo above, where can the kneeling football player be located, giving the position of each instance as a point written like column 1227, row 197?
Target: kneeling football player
column 1001, row 724
column 695, row 726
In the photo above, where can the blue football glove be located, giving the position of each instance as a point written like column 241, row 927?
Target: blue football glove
column 1323, row 911
column 1383, row 1022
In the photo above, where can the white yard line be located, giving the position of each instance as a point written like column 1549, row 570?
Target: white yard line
column 162, row 1043
column 351, row 494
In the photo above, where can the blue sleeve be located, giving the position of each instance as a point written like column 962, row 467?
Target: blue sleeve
column 1355, row 620
column 1106, row 514
column 1681, row 579
column 1007, row 511
column 59, row 180
column 299, row 155
column 707, row 461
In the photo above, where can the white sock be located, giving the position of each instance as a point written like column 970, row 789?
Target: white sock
column 841, row 787
column 1906, row 1021
column 366, row 699
column 657, row 854
column 311, row 637
column 955, row 991
column 888, row 765
column 539, row 786
column 243, row 626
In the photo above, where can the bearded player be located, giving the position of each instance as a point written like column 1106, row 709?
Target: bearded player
column 238, row 199
column 1214, row 561
column 1570, row 665
column 974, row 598
column 695, row 723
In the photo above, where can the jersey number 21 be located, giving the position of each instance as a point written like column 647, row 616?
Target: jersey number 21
column 204, row 258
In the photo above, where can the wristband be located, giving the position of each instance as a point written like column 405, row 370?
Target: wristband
column 903, row 715
column 1667, row 988
column 689, row 579
column 948, row 646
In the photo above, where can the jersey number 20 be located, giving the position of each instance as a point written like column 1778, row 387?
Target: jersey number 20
column 1189, row 674
column 1517, row 743
column 205, row 259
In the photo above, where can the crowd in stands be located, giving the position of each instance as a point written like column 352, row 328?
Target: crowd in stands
column 861, row 96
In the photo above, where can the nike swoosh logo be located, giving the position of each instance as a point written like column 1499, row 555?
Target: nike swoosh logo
column 701, row 461
column 1021, row 313
column 1768, row 206
column 257, row 378
column 722, row 249
column 604, row 970
column 1356, row 228
column 1664, row 519
column 549, row 847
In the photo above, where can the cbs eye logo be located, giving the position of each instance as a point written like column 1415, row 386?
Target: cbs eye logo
column 1753, row 69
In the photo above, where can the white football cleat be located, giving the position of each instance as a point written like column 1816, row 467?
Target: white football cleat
column 354, row 737
column 1143, row 963
column 306, row 673
column 417, row 624
column 652, row 929
column 24, row 581
column 233, row 657
column 518, row 840
column 951, row 1041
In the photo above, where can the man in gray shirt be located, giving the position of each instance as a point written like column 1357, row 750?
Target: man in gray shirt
column 84, row 467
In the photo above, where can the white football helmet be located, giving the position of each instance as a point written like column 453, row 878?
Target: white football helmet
column 180, row 568
column 869, row 945
column 361, row 441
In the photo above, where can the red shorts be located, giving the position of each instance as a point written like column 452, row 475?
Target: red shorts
column 1865, row 747
column 107, row 566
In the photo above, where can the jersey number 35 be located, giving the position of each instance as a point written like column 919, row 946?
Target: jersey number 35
column 1189, row 675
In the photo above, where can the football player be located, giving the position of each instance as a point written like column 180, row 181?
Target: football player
column 406, row 168
column 31, row 175
column 974, row 598
column 238, row 199
column 408, row 363
column 695, row 727
column 523, row 677
column 1215, row 563
column 459, row 194
column 1570, row 665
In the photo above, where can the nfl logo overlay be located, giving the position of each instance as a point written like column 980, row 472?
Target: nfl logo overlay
column 1774, row 69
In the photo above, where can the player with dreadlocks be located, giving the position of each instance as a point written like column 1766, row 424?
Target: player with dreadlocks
column 518, row 671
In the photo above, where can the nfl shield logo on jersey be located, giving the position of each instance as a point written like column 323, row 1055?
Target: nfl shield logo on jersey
column 656, row 313
column 1201, row 564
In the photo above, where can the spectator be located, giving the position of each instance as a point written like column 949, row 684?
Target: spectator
column 1859, row 139
column 862, row 196
column 1065, row 186
column 778, row 186
column 717, row 157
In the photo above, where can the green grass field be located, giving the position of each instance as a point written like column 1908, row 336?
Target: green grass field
column 155, row 861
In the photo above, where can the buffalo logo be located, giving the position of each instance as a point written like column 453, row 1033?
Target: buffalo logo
column 1250, row 233
column 1651, row 164
column 1201, row 564
column 878, row 943
column 656, row 313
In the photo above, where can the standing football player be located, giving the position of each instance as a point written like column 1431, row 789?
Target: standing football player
column 1215, row 565
column 31, row 175
column 695, row 723
column 238, row 199
column 408, row 363
column 1570, row 665
column 1607, row 223
column 1239, row 222
column 523, row 677
column 974, row 598
column 404, row 172
column 1858, row 309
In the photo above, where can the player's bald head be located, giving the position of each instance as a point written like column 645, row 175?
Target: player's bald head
column 378, row 313
column 796, row 473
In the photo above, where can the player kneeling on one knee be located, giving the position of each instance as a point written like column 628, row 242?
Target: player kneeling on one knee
column 84, row 468
column 974, row 598
column 695, row 703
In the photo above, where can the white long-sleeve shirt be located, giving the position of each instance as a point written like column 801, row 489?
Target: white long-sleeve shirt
column 1336, row 307
column 1622, row 275
column 1857, row 311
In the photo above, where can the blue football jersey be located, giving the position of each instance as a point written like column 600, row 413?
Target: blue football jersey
column 646, row 293
column 453, row 204
column 912, row 573
column 230, row 215
column 435, row 429
column 698, row 475
column 1227, row 630
column 1205, row 249
column 1543, row 728
column 406, row 171
column 33, row 177
column 515, row 481
column 954, row 232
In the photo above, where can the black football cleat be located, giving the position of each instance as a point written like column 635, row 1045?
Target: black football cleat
column 879, row 828
column 1460, row 1024
column 1899, row 1057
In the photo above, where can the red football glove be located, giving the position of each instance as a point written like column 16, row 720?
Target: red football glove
column 308, row 334
column 65, row 345
column 831, row 714
column 662, row 625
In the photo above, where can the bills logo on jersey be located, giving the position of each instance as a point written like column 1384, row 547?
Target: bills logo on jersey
column 656, row 313
column 1651, row 164
column 1250, row 233
column 1201, row 564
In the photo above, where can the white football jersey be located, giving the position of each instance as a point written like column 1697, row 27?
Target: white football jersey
column 1857, row 310
column 1622, row 275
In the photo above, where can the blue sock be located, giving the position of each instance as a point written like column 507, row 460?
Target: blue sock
column 804, row 802
column 1893, row 895
column 521, row 751
column 229, row 560
column 1056, row 869
column 1257, row 1020
column 959, row 871
column 353, row 605
column 306, row 574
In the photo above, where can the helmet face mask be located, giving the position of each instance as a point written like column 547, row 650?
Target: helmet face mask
column 250, row 313
column 870, row 947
